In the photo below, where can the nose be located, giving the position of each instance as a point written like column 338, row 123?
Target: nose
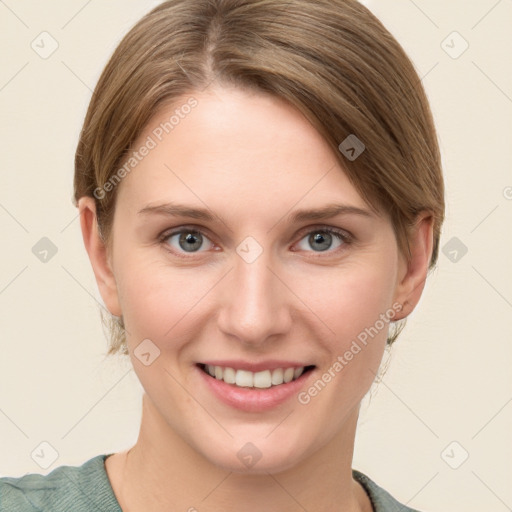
column 255, row 303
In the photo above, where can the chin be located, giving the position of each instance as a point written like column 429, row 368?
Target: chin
column 259, row 456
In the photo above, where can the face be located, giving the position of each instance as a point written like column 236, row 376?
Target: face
column 219, row 259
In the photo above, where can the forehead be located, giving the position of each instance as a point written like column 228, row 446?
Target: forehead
column 228, row 147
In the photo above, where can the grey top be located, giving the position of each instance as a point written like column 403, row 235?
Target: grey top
column 86, row 488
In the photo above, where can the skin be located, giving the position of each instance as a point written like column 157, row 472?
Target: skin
column 252, row 159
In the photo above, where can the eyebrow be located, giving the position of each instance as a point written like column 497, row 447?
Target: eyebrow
column 177, row 210
column 325, row 212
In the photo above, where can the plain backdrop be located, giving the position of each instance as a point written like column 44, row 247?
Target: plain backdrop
column 436, row 431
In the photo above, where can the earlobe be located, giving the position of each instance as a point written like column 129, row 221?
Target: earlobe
column 413, row 273
column 98, row 255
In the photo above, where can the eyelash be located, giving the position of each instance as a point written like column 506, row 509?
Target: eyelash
column 342, row 235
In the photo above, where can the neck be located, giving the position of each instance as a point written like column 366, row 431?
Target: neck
column 161, row 471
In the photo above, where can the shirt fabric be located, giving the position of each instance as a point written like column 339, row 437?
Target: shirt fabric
column 86, row 488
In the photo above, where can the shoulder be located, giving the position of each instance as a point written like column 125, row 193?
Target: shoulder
column 381, row 500
column 77, row 488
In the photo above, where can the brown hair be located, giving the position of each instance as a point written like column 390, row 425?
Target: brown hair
column 332, row 59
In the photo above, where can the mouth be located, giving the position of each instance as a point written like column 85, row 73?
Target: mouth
column 264, row 379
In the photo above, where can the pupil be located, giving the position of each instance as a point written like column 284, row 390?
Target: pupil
column 321, row 240
column 190, row 242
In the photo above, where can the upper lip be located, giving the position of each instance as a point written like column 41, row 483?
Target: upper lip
column 270, row 364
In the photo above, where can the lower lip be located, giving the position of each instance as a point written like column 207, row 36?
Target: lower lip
column 253, row 399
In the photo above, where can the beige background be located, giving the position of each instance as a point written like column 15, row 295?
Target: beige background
column 449, row 375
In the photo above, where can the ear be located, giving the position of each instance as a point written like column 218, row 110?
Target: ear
column 98, row 254
column 413, row 273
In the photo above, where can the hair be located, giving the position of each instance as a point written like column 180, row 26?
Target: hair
column 333, row 60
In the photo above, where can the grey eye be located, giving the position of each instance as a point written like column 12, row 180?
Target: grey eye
column 188, row 241
column 320, row 240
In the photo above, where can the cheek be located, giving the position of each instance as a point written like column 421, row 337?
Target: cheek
column 156, row 297
column 350, row 300
column 158, row 301
column 354, row 305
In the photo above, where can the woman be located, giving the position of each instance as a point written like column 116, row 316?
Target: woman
column 261, row 198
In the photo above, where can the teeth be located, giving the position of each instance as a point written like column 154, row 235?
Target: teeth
column 263, row 379
column 298, row 372
column 288, row 374
column 277, row 376
column 247, row 379
column 244, row 379
column 229, row 375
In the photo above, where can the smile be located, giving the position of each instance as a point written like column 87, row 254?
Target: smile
column 262, row 380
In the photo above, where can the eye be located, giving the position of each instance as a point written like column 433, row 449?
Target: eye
column 187, row 240
column 191, row 240
column 323, row 239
